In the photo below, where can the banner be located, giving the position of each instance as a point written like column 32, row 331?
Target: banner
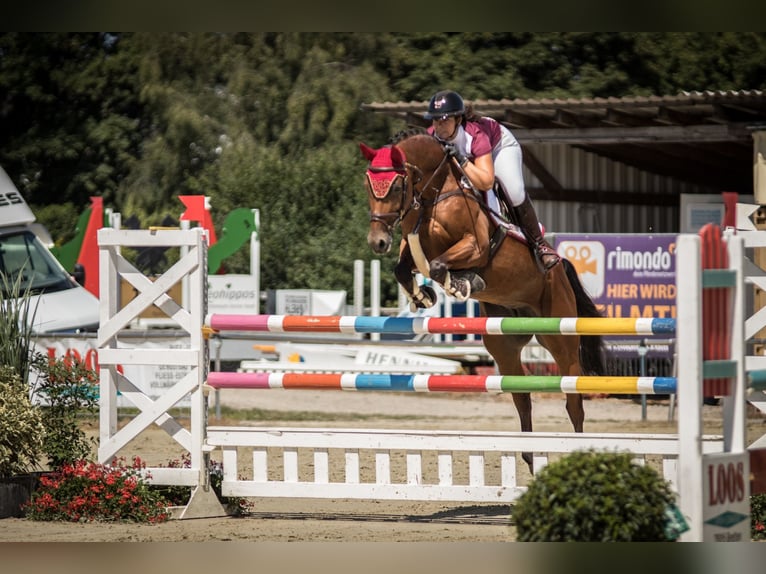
column 153, row 380
column 625, row 275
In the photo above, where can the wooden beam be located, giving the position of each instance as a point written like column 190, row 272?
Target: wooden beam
column 603, row 197
column 649, row 134
column 539, row 170
column 651, row 160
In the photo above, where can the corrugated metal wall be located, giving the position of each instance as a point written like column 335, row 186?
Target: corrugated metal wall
column 576, row 169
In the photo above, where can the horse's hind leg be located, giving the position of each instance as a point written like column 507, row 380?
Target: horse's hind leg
column 506, row 350
column 576, row 411
column 523, row 403
column 565, row 350
column 560, row 301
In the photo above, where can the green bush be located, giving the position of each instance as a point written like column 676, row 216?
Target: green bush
column 67, row 391
column 591, row 496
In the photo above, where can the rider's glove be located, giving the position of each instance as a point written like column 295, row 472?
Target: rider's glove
column 455, row 152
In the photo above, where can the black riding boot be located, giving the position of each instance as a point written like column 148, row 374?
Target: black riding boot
column 529, row 223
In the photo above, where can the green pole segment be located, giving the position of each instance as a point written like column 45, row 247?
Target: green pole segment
column 531, row 383
column 524, row 325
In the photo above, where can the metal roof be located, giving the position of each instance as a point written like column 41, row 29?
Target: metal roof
column 702, row 138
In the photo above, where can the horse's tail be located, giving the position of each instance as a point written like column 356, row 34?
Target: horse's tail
column 592, row 360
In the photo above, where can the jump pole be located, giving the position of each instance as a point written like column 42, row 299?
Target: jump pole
column 441, row 325
column 443, row 383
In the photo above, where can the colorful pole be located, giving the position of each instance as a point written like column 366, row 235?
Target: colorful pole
column 442, row 325
column 443, row 383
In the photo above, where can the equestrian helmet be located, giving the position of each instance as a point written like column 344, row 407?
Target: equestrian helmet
column 444, row 104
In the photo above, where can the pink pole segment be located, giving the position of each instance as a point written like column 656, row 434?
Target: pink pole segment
column 222, row 379
column 240, row 322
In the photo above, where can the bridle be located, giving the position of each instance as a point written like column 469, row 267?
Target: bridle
column 392, row 218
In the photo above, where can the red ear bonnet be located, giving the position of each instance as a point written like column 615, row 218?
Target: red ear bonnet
column 386, row 164
column 367, row 151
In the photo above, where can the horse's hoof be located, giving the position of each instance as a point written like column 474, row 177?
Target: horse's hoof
column 429, row 296
column 458, row 287
column 527, row 457
column 423, row 299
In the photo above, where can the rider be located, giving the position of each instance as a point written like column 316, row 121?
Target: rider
column 485, row 150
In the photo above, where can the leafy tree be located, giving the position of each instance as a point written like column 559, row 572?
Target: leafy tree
column 68, row 114
column 271, row 120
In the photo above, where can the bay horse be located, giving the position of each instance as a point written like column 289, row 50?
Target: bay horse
column 449, row 236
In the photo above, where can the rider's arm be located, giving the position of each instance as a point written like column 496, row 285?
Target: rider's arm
column 481, row 172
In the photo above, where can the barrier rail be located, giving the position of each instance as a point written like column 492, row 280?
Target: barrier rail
column 441, row 325
column 444, row 383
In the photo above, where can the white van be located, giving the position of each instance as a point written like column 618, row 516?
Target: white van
column 61, row 304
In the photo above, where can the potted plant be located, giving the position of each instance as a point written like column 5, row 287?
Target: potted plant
column 21, row 423
column 21, row 443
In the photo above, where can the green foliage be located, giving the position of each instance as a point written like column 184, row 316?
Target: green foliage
column 593, row 496
column 67, row 390
column 758, row 516
column 87, row 492
column 21, row 427
column 17, row 313
column 270, row 120
column 60, row 219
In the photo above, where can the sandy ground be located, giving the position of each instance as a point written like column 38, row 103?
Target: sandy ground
column 376, row 521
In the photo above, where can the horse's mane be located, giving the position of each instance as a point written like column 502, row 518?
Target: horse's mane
column 404, row 134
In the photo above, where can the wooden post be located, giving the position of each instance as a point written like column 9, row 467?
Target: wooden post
column 759, row 220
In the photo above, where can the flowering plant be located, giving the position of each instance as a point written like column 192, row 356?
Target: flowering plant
column 758, row 517
column 67, row 392
column 85, row 491
column 179, row 495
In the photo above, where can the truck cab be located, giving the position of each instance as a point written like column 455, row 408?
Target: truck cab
column 59, row 303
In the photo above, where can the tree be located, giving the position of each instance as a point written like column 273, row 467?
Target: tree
column 69, row 115
column 272, row 120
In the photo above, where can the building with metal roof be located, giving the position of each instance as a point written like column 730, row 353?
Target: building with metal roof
column 623, row 165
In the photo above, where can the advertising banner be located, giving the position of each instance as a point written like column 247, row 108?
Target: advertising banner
column 626, row 275
column 153, row 380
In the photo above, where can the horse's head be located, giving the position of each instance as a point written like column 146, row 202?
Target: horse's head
column 400, row 178
column 386, row 191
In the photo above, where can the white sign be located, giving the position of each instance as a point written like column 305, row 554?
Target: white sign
column 726, row 491
column 310, row 302
column 233, row 294
column 153, row 380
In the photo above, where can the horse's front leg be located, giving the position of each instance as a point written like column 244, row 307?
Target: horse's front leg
column 453, row 267
column 419, row 296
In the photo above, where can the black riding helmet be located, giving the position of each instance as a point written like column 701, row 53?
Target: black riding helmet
column 444, row 104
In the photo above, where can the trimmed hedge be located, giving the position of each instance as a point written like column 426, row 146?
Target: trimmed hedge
column 590, row 496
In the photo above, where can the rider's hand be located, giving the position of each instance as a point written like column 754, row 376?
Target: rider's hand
column 453, row 150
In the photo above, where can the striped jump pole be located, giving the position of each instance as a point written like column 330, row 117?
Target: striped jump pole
column 443, row 383
column 442, row 325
